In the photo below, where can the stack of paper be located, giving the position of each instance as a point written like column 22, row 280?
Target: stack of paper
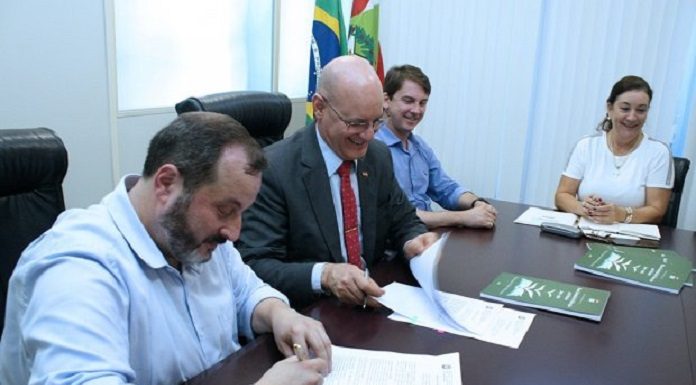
column 623, row 230
column 549, row 295
column 478, row 319
column 536, row 216
column 429, row 307
column 654, row 268
column 630, row 231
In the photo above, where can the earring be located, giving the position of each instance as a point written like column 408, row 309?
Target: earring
column 607, row 118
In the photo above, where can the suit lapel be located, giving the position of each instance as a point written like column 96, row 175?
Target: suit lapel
column 367, row 185
column 318, row 190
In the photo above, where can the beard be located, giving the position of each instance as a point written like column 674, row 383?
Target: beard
column 182, row 245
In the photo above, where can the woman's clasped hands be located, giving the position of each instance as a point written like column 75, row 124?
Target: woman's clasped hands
column 596, row 209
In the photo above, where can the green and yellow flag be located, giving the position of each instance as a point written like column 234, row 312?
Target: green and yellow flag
column 328, row 42
column 363, row 33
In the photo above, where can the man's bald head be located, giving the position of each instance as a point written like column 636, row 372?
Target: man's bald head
column 348, row 106
column 349, row 74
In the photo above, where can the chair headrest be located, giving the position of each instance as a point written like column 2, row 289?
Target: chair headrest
column 264, row 114
column 30, row 158
column 681, row 167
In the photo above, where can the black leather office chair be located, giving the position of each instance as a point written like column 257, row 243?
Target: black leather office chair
column 265, row 115
column 33, row 163
column 681, row 168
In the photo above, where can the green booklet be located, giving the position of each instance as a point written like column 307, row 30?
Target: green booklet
column 549, row 295
column 654, row 268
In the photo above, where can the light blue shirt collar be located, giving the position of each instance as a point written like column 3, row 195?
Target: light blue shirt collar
column 331, row 160
column 387, row 136
column 127, row 221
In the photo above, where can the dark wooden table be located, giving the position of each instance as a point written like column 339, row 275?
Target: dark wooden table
column 645, row 336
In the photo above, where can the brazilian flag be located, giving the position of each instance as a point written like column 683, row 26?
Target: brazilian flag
column 328, row 42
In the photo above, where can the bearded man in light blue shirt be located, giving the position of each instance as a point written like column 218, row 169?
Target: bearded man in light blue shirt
column 417, row 169
column 146, row 287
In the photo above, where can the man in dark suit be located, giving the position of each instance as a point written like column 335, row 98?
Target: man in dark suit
column 293, row 235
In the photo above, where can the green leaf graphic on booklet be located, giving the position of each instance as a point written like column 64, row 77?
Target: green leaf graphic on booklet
column 549, row 295
column 654, row 268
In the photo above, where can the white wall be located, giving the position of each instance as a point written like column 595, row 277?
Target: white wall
column 53, row 73
column 134, row 134
column 479, row 108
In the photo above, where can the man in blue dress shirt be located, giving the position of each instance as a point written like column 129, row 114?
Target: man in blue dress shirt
column 146, row 287
column 417, row 169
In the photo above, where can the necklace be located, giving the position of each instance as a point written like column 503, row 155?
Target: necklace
column 620, row 160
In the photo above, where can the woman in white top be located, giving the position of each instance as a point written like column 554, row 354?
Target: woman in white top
column 619, row 174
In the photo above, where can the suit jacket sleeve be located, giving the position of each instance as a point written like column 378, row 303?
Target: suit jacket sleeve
column 263, row 243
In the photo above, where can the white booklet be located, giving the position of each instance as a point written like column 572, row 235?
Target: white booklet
column 536, row 216
column 370, row 367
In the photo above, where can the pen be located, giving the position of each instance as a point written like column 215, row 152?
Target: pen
column 367, row 275
column 299, row 352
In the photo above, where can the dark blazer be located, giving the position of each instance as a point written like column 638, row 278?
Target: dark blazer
column 292, row 224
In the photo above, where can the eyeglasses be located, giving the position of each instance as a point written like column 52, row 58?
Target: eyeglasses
column 355, row 125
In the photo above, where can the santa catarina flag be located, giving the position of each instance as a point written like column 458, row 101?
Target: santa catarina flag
column 363, row 33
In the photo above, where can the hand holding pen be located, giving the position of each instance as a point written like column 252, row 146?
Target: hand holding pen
column 351, row 284
column 300, row 353
column 303, row 340
column 367, row 277
column 298, row 369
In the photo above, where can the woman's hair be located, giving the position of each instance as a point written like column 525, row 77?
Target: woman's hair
column 627, row 83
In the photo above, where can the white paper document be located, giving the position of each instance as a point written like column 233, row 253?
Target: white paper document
column 536, row 216
column 485, row 321
column 427, row 306
column 368, row 367
column 424, row 268
column 620, row 230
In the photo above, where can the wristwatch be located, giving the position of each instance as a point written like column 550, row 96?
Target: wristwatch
column 478, row 200
column 629, row 214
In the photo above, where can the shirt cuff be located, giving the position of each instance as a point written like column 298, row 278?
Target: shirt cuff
column 255, row 298
column 453, row 200
column 317, row 271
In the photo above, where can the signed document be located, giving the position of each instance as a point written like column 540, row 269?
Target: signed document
column 369, row 367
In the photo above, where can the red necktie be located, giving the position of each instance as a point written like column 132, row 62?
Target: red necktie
column 350, row 215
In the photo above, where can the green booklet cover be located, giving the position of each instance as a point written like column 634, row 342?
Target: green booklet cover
column 549, row 295
column 654, row 268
